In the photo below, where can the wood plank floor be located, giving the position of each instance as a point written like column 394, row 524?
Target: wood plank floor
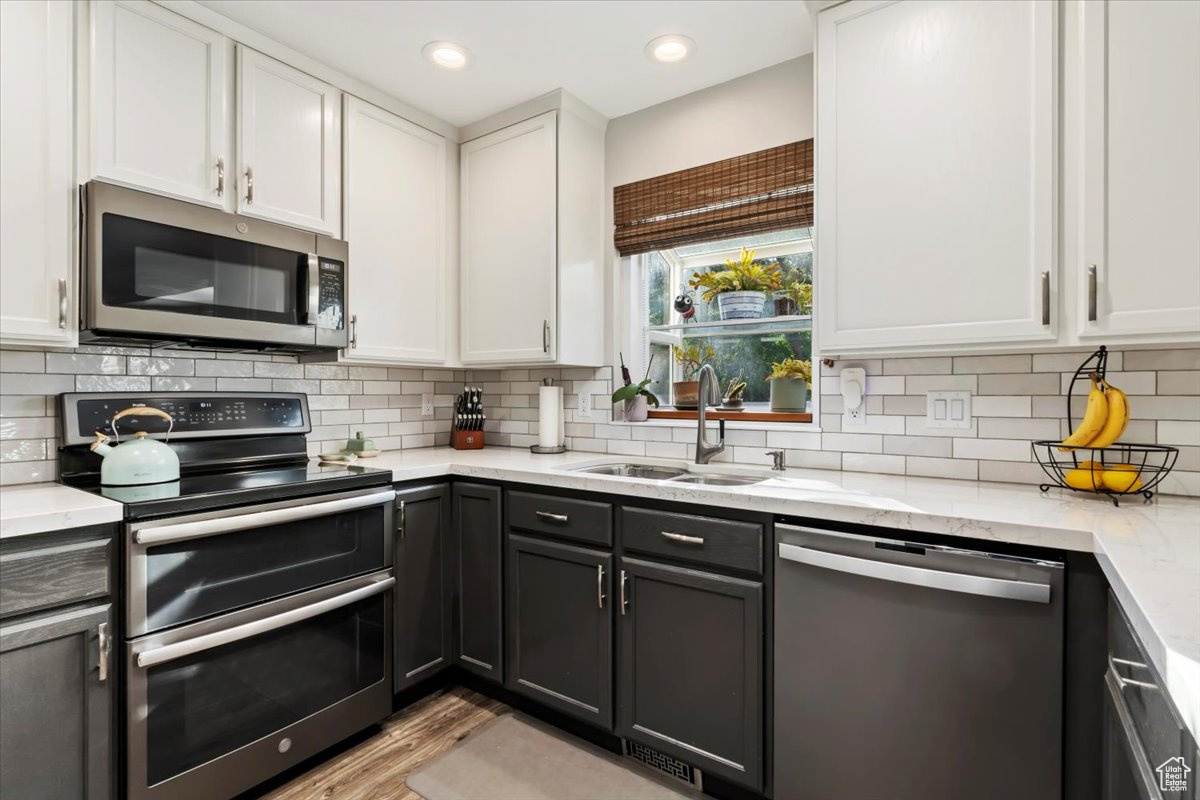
column 376, row 768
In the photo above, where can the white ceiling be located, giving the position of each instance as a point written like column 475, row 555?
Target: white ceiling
column 524, row 48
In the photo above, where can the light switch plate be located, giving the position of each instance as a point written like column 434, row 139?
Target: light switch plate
column 948, row 410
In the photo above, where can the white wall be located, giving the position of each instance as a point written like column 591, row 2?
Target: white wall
column 764, row 109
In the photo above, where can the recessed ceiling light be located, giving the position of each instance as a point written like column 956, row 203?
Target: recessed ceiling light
column 446, row 54
column 670, row 48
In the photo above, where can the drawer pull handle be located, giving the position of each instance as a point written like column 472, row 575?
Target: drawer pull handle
column 546, row 515
column 1122, row 681
column 682, row 537
column 600, row 586
column 104, row 645
column 402, row 524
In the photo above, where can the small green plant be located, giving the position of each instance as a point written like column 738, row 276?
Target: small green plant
column 791, row 368
column 734, row 391
column 801, row 294
column 691, row 357
column 632, row 390
column 742, row 275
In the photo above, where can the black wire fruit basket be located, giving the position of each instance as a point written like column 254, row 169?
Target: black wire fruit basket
column 1118, row 470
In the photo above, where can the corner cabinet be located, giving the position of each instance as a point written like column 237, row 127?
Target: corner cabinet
column 1139, row 79
column 532, row 202
column 38, row 196
column 424, row 568
column 161, row 100
column 289, row 137
column 478, row 581
column 936, row 174
column 395, row 200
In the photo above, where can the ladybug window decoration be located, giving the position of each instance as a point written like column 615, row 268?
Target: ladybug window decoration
column 685, row 304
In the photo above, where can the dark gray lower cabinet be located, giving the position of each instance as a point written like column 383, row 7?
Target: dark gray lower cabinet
column 559, row 626
column 55, row 711
column 689, row 681
column 478, row 543
column 424, row 575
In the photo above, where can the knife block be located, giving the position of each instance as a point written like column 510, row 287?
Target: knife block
column 466, row 440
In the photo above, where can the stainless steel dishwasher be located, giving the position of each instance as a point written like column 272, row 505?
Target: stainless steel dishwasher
column 906, row 671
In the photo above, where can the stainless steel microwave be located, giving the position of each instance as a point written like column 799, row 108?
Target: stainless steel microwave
column 168, row 272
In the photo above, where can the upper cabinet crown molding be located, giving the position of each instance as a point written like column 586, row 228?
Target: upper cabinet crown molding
column 935, row 174
column 38, row 198
column 289, row 145
column 532, row 243
column 161, row 103
column 1138, row 268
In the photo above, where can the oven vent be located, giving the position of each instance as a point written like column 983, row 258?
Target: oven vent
column 661, row 762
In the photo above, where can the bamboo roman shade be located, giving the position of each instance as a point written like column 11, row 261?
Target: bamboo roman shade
column 754, row 193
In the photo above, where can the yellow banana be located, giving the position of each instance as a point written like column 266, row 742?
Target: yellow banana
column 1093, row 420
column 1118, row 417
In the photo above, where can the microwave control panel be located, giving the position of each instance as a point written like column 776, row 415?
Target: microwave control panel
column 331, row 294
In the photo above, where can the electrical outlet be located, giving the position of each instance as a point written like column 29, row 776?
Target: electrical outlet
column 855, row 416
column 948, row 410
column 427, row 404
column 585, row 405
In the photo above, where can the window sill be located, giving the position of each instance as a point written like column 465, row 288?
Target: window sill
column 741, row 424
column 733, row 416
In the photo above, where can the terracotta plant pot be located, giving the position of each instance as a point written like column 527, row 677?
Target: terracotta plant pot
column 741, row 305
column 789, row 395
column 687, row 394
column 637, row 409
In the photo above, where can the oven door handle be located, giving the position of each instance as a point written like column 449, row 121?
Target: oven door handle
column 171, row 652
column 165, row 534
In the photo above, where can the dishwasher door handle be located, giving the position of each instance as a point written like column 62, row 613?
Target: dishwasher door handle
column 918, row 576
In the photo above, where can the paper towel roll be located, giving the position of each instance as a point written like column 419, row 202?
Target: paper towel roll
column 550, row 416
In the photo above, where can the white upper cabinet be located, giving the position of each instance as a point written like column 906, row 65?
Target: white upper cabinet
column 37, row 181
column 396, row 227
column 935, row 174
column 532, row 241
column 1139, row 266
column 161, row 100
column 509, row 252
column 289, row 145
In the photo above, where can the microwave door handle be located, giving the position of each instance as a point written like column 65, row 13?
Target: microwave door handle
column 182, row 531
column 314, row 288
column 171, row 652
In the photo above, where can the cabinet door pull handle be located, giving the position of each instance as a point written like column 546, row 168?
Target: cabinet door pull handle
column 401, row 514
column 682, row 537
column 624, row 598
column 545, row 336
column 1092, row 288
column 249, row 186
column 354, row 331
column 104, row 645
column 546, row 515
column 220, row 176
column 62, row 303
column 1046, row 297
column 599, row 586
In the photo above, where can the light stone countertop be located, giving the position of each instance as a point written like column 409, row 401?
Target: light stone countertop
column 43, row 507
column 1150, row 552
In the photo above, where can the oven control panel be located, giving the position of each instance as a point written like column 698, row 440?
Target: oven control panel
column 193, row 414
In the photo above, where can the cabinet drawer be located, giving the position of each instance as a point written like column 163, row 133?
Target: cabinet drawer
column 56, row 571
column 560, row 517
column 705, row 540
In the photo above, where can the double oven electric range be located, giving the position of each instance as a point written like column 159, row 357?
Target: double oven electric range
column 257, row 591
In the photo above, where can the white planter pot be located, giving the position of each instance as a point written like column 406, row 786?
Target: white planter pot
column 637, row 409
column 741, row 305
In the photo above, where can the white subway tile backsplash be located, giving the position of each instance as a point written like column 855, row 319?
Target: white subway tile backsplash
column 21, row 361
column 224, row 369
column 1176, row 408
column 1179, row 433
column 993, row 449
column 1179, row 382
column 1023, row 428
column 794, row 440
column 170, row 384
column 244, row 385
column 1131, row 383
column 274, row 369
column 853, row 442
column 961, row 469
column 917, row 366
column 158, row 365
column 1188, row 359
column 999, row 405
column 870, row 462
column 1035, row 383
column 922, row 384
column 77, row 364
column 933, row 446
column 991, row 365
column 112, row 383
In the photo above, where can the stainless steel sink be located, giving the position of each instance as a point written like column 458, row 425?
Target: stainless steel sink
column 703, row 479
column 648, row 472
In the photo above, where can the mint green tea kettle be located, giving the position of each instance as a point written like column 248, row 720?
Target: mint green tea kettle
column 139, row 461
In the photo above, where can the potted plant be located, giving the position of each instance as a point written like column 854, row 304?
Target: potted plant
column 732, row 399
column 795, row 298
column 636, row 397
column 789, row 385
column 690, row 357
column 741, row 289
